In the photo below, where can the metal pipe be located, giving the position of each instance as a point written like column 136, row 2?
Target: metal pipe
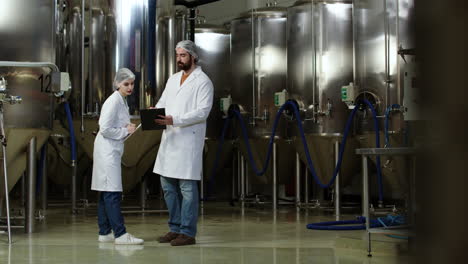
column 73, row 187
column 306, row 187
column 192, row 24
column 234, row 172
column 387, row 54
column 143, row 185
column 365, row 190
column 192, row 4
column 44, row 179
column 242, row 196
column 83, row 83
column 5, row 173
column 254, row 114
column 298, row 182
column 144, row 211
column 337, row 183
column 27, row 64
column 31, row 199
column 275, row 183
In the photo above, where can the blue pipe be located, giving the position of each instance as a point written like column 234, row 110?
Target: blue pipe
column 304, row 142
column 72, row 131
column 359, row 224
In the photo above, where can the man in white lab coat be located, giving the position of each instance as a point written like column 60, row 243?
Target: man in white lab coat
column 187, row 98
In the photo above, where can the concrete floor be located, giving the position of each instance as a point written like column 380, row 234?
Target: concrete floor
column 225, row 235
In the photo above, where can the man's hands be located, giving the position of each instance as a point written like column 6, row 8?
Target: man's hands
column 165, row 120
column 131, row 128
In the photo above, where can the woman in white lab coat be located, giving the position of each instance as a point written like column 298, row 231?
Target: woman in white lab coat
column 114, row 127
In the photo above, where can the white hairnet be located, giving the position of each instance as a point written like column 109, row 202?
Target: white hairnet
column 190, row 47
column 122, row 75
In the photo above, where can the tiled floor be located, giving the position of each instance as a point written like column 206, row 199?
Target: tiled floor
column 225, row 235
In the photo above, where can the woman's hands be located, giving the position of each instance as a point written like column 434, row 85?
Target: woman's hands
column 131, row 128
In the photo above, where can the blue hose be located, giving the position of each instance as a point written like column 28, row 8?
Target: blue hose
column 358, row 224
column 72, row 131
column 304, row 142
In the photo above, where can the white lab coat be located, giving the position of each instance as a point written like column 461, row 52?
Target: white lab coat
column 180, row 154
column 109, row 145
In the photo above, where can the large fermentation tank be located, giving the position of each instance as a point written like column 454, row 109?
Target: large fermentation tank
column 381, row 29
column 258, row 59
column 258, row 56
column 320, row 62
column 213, row 43
column 171, row 28
column 213, row 47
column 131, row 44
column 28, row 33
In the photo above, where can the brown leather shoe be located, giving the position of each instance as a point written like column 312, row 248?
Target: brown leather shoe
column 168, row 237
column 183, row 240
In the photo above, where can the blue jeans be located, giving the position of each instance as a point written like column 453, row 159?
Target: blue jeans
column 109, row 214
column 182, row 202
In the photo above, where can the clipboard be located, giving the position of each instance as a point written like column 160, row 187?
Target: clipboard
column 129, row 136
column 149, row 115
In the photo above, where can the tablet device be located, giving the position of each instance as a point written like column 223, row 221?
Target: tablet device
column 149, row 115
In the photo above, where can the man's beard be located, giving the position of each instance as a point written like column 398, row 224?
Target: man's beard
column 184, row 66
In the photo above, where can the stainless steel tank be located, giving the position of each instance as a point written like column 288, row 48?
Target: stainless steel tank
column 259, row 68
column 28, row 33
column 381, row 29
column 214, row 47
column 213, row 43
column 131, row 42
column 320, row 61
column 170, row 28
column 258, row 56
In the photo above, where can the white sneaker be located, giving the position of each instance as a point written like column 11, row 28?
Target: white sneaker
column 128, row 239
column 107, row 238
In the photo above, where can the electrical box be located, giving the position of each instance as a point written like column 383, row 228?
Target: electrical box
column 348, row 94
column 280, row 98
column 64, row 82
column 225, row 103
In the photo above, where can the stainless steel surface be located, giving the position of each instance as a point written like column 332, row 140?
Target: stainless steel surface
column 320, row 61
column 143, row 196
column 31, row 188
column 98, row 90
column 243, row 170
column 380, row 27
column 27, row 33
column 131, row 35
column 275, row 178
column 170, row 29
column 298, row 181
column 365, row 189
column 214, row 44
column 44, row 179
column 385, row 151
column 306, row 185
column 337, row 184
column 258, row 59
column 5, row 172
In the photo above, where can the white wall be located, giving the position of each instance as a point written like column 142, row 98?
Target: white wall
column 226, row 10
